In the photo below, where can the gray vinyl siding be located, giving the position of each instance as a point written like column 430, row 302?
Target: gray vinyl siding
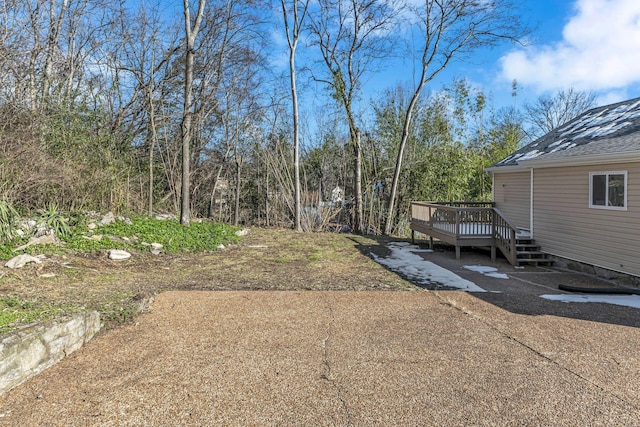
column 565, row 226
column 512, row 196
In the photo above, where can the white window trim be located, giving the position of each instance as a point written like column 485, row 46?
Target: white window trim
column 610, row 208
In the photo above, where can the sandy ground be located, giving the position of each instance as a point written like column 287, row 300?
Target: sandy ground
column 440, row 358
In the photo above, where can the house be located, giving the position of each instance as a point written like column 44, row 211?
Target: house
column 576, row 190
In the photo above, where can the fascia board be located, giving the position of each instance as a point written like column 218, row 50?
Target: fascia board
column 505, row 169
column 593, row 159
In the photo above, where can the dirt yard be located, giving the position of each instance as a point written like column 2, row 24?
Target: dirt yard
column 265, row 259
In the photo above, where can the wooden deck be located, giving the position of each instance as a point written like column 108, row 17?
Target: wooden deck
column 464, row 224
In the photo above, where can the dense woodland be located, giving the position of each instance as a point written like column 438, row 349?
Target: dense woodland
column 138, row 107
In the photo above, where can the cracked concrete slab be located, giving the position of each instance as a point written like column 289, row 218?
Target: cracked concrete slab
column 340, row 358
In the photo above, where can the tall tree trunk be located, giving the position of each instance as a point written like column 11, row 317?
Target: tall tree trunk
column 292, row 40
column 152, row 144
column 236, row 215
column 266, row 203
column 296, row 141
column 212, row 198
column 55, row 27
column 359, row 226
column 388, row 227
column 185, row 214
column 187, row 114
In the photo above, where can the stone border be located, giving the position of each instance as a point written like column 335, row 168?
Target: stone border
column 616, row 277
column 34, row 348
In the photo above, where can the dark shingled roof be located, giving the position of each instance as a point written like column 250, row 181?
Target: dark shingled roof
column 600, row 130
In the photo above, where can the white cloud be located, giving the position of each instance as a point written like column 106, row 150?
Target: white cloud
column 600, row 50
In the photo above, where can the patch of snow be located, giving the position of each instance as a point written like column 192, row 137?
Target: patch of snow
column 624, row 300
column 558, row 142
column 487, row 271
column 480, row 268
column 404, row 261
column 497, row 275
column 530, row 155
column 603, row 123
column 564, row 146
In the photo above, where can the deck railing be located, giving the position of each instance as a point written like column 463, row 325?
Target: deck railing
column 455, row 218
column 505, row 236
column 469, row 221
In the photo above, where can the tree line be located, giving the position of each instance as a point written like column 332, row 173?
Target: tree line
column 134, row 107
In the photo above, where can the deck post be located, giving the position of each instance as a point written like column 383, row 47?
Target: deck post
column 413, row 237
column 431, row 242
column 494, row 231
column 457, row 251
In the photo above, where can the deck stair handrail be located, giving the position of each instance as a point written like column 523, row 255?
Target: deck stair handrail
column 504, row 233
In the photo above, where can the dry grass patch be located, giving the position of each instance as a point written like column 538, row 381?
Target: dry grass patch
column 266, row 259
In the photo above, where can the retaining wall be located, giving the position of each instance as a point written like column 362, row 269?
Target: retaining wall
column 29, row 351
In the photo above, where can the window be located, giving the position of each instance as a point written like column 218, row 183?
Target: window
column 608, row 190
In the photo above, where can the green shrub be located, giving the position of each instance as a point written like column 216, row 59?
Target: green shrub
column 8, row 216
column 52, row 218
column 199, row 236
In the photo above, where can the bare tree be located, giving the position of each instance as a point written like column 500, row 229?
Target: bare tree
column 353, row 36
column 293, row 36
column 450, row 29
column 548, row 112
column 191, row 32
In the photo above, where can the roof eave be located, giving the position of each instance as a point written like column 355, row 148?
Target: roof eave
column 591, row 159
column 510, row 168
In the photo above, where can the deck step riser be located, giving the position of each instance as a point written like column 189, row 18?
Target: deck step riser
column 527, row 252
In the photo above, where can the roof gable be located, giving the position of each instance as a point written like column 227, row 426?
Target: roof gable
column 608, row 125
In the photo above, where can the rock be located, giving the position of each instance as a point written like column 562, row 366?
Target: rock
column 44, row 230
column 108, row 219
column 48, row 275
column 92, row 226
column 157, row 246
column 221, row 246
column 21, row 260
column 125, row 220
column 40, row 240
column 155, row 252
column 345, row 229
column 28, row 225
column 164, row 217
column 243, row 232
column 118, row 254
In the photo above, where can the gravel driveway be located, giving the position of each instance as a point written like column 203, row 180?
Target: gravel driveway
column 340, row 358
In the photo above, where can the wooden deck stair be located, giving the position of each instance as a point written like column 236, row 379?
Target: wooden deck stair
column 476, row 224
column 528, row 252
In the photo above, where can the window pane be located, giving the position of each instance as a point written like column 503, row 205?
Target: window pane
column 616, row 190
column 598, row 190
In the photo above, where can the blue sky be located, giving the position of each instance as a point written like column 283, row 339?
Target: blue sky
column 591, row 45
